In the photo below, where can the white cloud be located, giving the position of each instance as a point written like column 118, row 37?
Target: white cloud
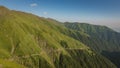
column 45, row 13
column 33, row 4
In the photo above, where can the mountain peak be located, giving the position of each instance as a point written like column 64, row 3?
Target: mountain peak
column 4, row 10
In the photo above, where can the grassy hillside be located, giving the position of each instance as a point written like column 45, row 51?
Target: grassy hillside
column 100, row 38
column 30, row 41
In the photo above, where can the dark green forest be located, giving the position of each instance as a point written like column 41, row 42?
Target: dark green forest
column 99, row 38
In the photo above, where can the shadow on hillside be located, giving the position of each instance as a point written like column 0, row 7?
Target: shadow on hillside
column 113, row 56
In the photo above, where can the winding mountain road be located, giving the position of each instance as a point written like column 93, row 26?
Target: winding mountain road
column 27, row 56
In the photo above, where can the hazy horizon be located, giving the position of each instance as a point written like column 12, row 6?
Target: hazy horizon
column 99, row 12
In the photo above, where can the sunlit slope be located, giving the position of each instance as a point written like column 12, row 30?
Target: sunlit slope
column 35, row 42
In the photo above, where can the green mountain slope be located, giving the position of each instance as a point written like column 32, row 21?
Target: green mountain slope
column 100, row 38
column 30, row 41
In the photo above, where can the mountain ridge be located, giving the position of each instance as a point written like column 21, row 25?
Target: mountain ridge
column 29, row 41
column 100, row 38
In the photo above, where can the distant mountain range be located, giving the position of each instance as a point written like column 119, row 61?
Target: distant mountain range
column 29, row 41
column 100, row 38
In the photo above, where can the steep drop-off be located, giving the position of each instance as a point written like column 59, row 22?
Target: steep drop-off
column 100, row 38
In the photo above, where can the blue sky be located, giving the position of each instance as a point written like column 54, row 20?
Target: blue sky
column 104, row 12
